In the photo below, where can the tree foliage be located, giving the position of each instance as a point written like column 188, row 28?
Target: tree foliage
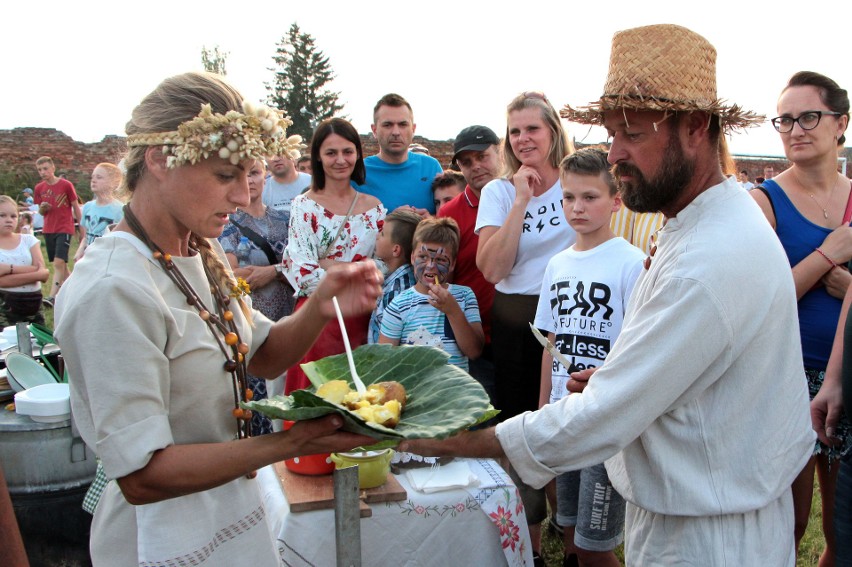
column 301, row 73
column 214, row 60
column 14, row 179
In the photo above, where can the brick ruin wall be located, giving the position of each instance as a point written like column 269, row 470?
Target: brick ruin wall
column 20, row 147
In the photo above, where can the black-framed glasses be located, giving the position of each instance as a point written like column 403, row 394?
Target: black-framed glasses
column 807, row 120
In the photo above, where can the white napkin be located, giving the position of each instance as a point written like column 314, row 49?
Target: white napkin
column 456, row 474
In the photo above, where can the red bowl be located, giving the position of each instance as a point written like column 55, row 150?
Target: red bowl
column 309, row 464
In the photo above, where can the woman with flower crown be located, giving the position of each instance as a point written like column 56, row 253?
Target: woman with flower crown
column 160, row 405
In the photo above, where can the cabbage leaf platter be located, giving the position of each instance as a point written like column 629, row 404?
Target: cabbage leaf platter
column 442, row 399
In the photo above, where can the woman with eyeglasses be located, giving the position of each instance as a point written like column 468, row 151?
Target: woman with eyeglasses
column 809, row 207
column 521, row 226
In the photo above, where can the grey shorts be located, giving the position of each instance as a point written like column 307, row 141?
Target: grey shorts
column 586, row 499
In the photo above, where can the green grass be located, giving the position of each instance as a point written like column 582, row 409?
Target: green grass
column 809, row 550
column 812, row 543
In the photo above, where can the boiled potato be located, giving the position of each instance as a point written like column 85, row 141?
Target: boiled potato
column 388, row 414
column 391, row 391
column 334, row 391
column 382, row 403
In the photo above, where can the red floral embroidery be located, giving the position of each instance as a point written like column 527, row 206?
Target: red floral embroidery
column 512, row 538
column 502, row 518
column 358, row 258
column 314, row 224
column 328, row 214
column 379, row 225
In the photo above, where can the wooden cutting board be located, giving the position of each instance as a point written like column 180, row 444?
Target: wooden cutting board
column 305, row 493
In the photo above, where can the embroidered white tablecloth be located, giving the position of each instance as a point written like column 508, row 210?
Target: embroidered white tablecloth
column 480, row 525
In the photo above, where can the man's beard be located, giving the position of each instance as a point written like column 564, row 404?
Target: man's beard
column 652, row 195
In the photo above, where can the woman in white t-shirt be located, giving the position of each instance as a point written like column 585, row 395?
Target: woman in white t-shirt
column 521, row 225
column 22, row 270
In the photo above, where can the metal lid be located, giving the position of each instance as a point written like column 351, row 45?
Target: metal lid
column 11, row 421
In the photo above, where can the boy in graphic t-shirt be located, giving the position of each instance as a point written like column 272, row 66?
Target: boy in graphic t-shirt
column 583, row 298
column 57, row 204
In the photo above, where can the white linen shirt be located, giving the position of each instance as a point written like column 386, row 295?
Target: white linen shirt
column 146, row 373
column 702, row 405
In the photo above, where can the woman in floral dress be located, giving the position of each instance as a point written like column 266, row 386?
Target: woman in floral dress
column 330, row 223
column 271, row 294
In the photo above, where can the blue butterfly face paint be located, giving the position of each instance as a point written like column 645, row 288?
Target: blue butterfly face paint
column 431, row 262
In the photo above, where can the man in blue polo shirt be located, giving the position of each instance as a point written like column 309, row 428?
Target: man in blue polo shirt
column 397, row 177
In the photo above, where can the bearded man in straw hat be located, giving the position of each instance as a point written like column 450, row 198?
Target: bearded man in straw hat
column 701, row 409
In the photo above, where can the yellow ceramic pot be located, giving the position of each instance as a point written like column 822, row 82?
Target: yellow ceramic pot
column 373, row 466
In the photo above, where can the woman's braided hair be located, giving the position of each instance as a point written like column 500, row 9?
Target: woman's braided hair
column 222, row 274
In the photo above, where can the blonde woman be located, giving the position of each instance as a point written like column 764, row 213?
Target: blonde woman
column 521, row 226
column 266, row 231
column 159, row 406
column 102, row 211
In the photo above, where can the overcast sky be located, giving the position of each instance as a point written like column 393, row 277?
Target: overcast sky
column 82, row 66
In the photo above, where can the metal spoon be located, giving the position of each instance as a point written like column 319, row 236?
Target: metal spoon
column 359, row 385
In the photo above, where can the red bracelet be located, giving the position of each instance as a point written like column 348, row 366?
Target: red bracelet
column 827, row 259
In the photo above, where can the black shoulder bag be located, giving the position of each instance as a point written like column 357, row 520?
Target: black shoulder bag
column 260, row 241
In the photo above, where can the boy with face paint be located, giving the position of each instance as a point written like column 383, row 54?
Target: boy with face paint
column 435, row 312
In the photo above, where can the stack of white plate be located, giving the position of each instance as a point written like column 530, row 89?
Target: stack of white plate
column 9, row 337
column 48, row 403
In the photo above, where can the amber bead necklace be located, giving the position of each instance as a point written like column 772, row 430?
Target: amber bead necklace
column 221, row 324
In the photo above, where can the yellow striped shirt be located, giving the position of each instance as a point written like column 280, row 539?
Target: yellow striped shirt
column 636, row 228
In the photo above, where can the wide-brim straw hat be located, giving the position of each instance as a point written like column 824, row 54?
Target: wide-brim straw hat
column 662, row 67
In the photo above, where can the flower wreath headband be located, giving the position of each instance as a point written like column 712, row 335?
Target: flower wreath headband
column 255, row 133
